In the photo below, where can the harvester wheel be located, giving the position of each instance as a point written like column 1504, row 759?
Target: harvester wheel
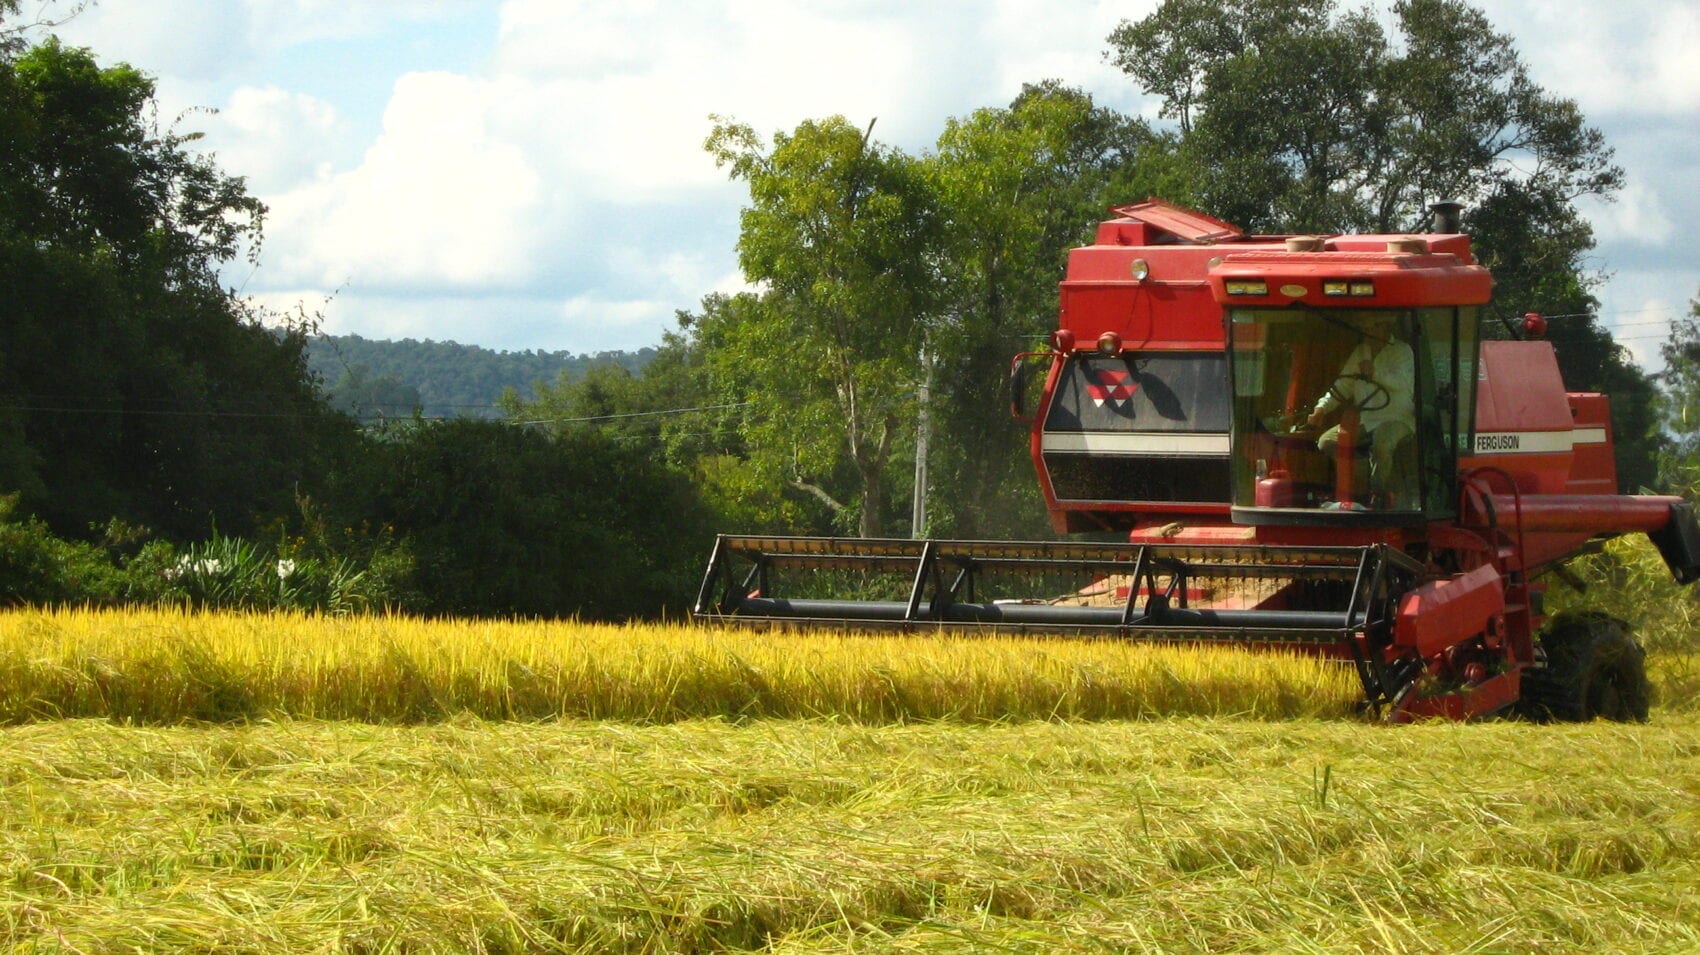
column 1594, row 669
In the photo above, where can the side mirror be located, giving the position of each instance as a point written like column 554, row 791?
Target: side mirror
column 1020, row 367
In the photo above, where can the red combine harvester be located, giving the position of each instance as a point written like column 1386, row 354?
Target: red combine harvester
column 1292, row 442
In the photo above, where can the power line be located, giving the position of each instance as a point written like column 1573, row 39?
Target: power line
column 156, row 413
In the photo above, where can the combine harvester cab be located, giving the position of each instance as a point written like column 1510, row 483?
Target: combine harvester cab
column 1288, row 442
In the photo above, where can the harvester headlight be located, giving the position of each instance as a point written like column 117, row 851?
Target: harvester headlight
column 1335, row 287
column 1363, row 289
column 1063, row 340
column 1140, row 270
column 1109, row 343
column 1247, row 287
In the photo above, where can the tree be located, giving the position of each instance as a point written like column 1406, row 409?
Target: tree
column 1302, row 117
column 135, row 385
column 1018, row 187
column 1679, row 403
column 606, row 397
column 1295, row 117
column 1272, row 101
column 843, row 235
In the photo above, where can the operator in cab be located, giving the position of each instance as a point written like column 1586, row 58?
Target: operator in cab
column 1378, row 379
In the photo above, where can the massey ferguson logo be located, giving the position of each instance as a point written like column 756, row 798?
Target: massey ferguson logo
column 1498, row 442
column 1113, row 385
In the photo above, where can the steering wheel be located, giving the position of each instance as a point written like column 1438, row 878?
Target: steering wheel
column 1379, row 393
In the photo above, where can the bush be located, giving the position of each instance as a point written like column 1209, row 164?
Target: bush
column 39, row 568
column 504, row 521
column 230, row 573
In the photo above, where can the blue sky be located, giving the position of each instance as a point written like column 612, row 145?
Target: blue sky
column 529, row 173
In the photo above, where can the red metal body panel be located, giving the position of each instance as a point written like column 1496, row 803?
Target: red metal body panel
column 1523, row 416
column 1433, row 616
column 1035, row 450
column 1489, row 696
column 1453, row 244
column 1402, row 279
column 1188, row 225
column 1593, row 470
column 1171, row 309
column 1586, row 513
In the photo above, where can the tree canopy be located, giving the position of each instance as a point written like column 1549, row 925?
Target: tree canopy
column 844, row 235
column 135, row 386
column 1017, row 187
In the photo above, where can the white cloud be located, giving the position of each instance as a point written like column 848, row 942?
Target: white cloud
column 275, row 138
column 1032, row 43
column 1636, row 217
column 192, row 39
column 282, row 23
column 440, row 200
column 1634, row 57
column 629, row 319
column 205, row 39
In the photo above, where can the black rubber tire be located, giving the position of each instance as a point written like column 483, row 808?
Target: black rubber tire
column 1594, row 669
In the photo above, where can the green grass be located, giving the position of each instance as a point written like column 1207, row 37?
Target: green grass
column 1199, row 835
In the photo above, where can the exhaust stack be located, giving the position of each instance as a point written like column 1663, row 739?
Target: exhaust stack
column 1448, row 217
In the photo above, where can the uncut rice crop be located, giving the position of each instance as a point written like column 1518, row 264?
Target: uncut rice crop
column 165, row 666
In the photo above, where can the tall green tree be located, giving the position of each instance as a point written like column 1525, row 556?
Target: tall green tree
column 842, row 234
column 1018, row 187
column 134, row 384
column 1296, row 116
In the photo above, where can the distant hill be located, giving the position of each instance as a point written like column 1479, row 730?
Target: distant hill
column 372, row 379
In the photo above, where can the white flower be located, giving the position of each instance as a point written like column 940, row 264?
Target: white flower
column 285, row 568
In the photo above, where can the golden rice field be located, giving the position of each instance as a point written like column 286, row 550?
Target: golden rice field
column 254, row 784
column 166, row 666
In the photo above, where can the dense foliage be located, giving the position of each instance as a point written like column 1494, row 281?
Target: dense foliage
column 1679, row 404
column 133, row 384
column 502, row 520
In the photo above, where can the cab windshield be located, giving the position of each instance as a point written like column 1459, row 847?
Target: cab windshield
column 1345, row 410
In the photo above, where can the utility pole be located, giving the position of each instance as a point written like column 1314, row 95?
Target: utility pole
column 923, row 423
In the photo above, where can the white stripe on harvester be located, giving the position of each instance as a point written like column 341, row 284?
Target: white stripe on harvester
column 1135, row 443
column 1536, row 442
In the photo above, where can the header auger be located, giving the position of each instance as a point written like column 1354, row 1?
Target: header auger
column 1301, row 442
